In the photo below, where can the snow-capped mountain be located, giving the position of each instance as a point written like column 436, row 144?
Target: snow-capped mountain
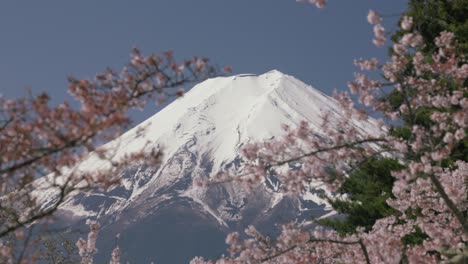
column 158, row 209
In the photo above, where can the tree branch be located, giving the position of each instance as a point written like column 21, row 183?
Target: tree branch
column 315, row 152
column 40, row 215
column 315, row 240
column 449, row 202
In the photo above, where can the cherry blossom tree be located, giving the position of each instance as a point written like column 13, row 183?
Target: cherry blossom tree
column 430, row 193
column 41, row 141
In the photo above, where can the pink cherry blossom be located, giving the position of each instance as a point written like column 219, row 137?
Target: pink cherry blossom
column 373, row 17
column 406, row 22
column 317, row 3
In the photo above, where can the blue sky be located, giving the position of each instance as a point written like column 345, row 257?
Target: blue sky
column 43, row 42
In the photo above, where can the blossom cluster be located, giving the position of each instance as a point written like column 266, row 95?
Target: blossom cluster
column 87, row 248
column 317, row 3
column 379, row 31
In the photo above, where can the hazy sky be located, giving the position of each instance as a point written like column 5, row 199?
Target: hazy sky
column 43, row 42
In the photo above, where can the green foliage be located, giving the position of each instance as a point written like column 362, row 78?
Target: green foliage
column 414, row 238
column 395, row 98
column 434, row 16
column 403, row 132
column 422, row 116
column 368, row 189
column 461, row 150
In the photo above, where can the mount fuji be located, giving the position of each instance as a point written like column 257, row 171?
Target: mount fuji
column 158, row 213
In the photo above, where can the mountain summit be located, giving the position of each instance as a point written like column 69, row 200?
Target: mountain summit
column 201, row 134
